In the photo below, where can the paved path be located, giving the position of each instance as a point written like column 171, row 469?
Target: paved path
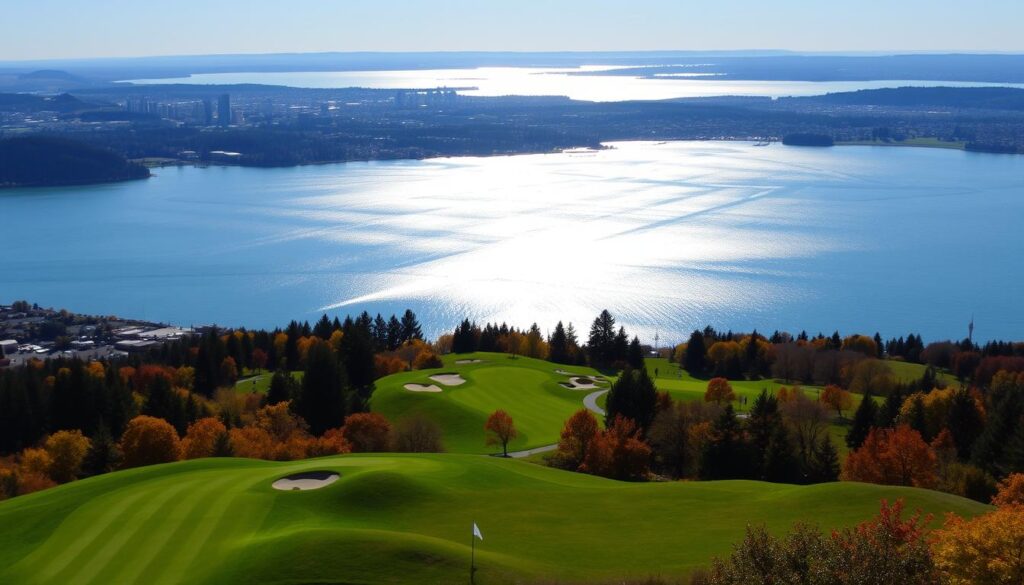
column 589, row 401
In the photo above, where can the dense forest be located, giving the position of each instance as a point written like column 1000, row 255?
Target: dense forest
column 34, row 161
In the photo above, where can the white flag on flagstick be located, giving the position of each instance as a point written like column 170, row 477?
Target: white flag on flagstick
column 476, row 532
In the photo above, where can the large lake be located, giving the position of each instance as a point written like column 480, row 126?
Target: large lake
column 668, row 236
column 500, row 81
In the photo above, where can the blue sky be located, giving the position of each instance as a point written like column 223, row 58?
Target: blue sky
column 80, row 28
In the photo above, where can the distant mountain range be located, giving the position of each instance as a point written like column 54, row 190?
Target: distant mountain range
column 740, row 65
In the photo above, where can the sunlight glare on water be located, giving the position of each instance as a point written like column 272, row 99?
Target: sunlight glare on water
column 668, row 236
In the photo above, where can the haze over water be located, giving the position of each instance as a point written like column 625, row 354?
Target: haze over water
column 527, row 81
column 667, row 236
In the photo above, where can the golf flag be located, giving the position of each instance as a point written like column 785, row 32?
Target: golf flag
column 476, row 531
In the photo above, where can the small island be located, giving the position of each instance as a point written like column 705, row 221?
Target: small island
column 46, row 161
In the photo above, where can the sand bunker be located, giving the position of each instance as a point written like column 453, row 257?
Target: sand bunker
column 307, row 480
column 421, row 388
column 463, row 362
column 448, row 379
column 580, row 383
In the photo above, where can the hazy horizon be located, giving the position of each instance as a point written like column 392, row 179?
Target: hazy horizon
column 125, row 29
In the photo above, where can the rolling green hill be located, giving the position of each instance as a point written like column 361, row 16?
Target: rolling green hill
column 400, row 519
column 528, row 389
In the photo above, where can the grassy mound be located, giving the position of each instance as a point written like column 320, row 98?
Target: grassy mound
column 527, row 389
column 400, row 519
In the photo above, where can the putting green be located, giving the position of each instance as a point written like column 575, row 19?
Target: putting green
column 528, row 389
column 400, row 519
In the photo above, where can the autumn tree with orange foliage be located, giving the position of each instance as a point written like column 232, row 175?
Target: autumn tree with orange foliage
column 147, row 441
column 202, row 438
column 578, row 434
column 886, row 549
column 367, row 432
column 67, row 451
column 896, row 456
column 618, row 452
column 719, row 391
column 1010, row 491
column 500, row 430
column 986, row 550
column 251, row 442
column 837, row 399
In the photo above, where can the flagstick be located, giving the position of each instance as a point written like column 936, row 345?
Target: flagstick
column 472, row 558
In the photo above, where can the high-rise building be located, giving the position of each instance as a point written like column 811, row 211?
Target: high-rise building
column 207, row 112
column 224, row 110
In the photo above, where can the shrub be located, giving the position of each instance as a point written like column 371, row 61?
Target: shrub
column 367, row 432
column 417, row 434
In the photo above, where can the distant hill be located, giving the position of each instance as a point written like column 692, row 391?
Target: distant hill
column 985, row 98
column 37, row 161
column 23, row 102
column 50, row 74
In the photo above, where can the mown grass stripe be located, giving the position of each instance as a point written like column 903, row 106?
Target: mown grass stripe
column 60, row 554
column 140, row 522
column 174, row 528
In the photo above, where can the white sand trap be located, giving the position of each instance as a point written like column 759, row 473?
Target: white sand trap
column 564, row 373
column 580, row 383
column 449, row 379
column 463, row 362
column 421, row 388
column 307, row 480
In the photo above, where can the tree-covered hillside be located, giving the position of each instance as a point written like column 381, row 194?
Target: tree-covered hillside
column 33, row 161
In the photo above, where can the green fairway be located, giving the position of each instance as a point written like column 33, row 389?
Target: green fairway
column 908, row 372
column 528, row 389
column 260, row 383
column 400, row 519
column 682, row 386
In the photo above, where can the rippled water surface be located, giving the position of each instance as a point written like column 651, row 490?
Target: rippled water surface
column 667, row 236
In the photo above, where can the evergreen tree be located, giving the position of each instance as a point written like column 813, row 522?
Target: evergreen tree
column 726, row 454
column 620, row 348
column 863, row 420
column 323, row 328
column 163, row 402
column 890, row 411
column 394, row 333
column 633, row 396
column 916, row 417
column 291, row 346
column 357, row 361
column 780, row 463
column 824, row 463
column 964, row 423
column 752, row 361
column 464, row 340
column 601, row 343
column 222, row 446
column 990, row 449
column 764, row 418
column 380, row 333
column 103, row 455
column 558, row 345
column 410, row 327
column 635, row 357
column 321, row 400
column 695, row 359
column 282, row 387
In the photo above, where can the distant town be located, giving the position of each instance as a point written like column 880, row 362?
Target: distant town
column 28, row 331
